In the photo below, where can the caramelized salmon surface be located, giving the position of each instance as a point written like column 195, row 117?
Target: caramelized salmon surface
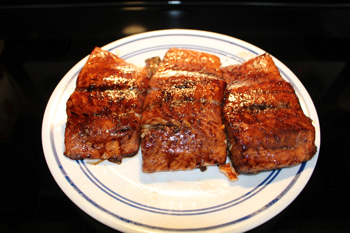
column 182, row 125
column 104, row 111
column 266, row 126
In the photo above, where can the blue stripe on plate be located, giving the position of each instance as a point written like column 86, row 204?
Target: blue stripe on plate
column 183, row 46
column 148, row 208
column 226, row 205
column 185, row 35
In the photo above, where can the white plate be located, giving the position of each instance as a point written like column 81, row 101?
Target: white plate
column 124, row 198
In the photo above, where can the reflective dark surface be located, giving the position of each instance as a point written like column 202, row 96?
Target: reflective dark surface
column 40, row 43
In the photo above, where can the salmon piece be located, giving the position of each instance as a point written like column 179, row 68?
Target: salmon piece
column 104, row 111
column 266, row 126
column 182, row 125
column 229, row 172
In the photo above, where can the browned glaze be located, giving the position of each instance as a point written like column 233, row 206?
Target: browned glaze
column 182, row 123
column 106, row 71
column 266, row 126
column 188, row 60
column 104, row 112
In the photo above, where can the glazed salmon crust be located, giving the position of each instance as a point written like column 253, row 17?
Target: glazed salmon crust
column 265, row 123
column 182, row 125
column 104, row 111
column 187, row 112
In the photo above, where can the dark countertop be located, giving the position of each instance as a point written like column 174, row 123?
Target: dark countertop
column 40, row 43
